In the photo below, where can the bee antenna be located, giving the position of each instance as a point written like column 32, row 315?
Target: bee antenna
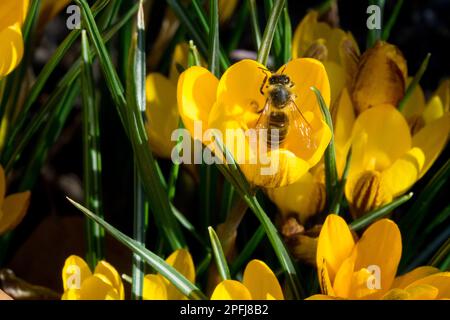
column 264, row 69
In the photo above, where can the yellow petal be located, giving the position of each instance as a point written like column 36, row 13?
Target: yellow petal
column 261, row 281
column 306, row 197
column 440, row 280
column 15, row 207
column 74, row 272
column 381, row 135
column 334, row 245
column 325, row 282
column 113, row 276
column 231, row 290
column 422, row 292
column 380, row 246
column 196, row 94
column 337, row 76
column 305, row 73
column 13, row 11
column 162, row 114
column 182, row 261
column 322, row 297
column 98, row 287
column 2, row 186
column 404, row 172
column 343, row 280
column 11, row 48
column 396, row 294
column 443, row 92
column 304, row 34
column 416, row 274
column 432, row 139
column 381, row 77
column 154, row 288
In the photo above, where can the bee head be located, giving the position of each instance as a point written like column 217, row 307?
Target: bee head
column 281, row 79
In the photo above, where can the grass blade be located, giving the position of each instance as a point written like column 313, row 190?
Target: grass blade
column 221, row 261
column 331, row 176
column 376, row 214
column 255, row 23
column 392, row 19
column 213, row 58
column 171, row 274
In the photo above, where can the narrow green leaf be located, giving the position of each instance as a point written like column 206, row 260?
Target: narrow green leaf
column 221, row 261
column 269, row 32
column 376, row 214
column 92, row 162
column 240, row 27
column 441, row 255
column 170, row 273
column 331, row 176
column 335, row 206
column 287, row 35
column 412, row 86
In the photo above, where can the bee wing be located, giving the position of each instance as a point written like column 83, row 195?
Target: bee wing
column 263, row 120
column 299, row 126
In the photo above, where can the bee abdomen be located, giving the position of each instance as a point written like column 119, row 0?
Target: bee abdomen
column 278, row 128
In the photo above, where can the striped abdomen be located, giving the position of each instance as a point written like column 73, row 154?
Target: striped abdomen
column 278, row 120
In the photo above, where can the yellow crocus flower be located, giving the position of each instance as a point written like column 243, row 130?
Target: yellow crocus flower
column 12, row 16
column 366, row 268
column 234, row 103
column 387, row 159
column 258, row 283
column 156, row 287
column 13, row 207
column 81, row 284
column 336, row 48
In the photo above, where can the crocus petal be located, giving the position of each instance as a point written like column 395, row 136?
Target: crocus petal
column 432, row 139
column 380, row 246
column 261, row 281
column 404, row 172
column 231, row 290
column 162, row 114
column 154, row 288
column 305, row 197
column 179, row 57
column 13, row 11
column 305, row 73
column 381, row 77
column 422, row 292
column 337, row 76
column 98, row 287
column 196, row 94
column 440, row 280
column 396, row 294
column 416, row 274
column 15, row 207
column 182, row 261
column 334, row 245
column 415, row 105
column 74, row 272
column 443, row 92
column 113, row 276
column 304, row 34
column 11, row 48
column 342, row 282
column 71, row 294
column 382, row 136
column 322, row 297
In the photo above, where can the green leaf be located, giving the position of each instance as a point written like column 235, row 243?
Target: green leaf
column 381, row 212
column 335, row 206
column 170, row 273
column 269, row 32
column 213, row 58
column 441, row 255
column 221, row 261
column 92, row 161
column 412, row 86
column 255, row 23
column 331, row 175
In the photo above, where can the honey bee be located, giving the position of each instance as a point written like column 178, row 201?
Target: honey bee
column 280, row 114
